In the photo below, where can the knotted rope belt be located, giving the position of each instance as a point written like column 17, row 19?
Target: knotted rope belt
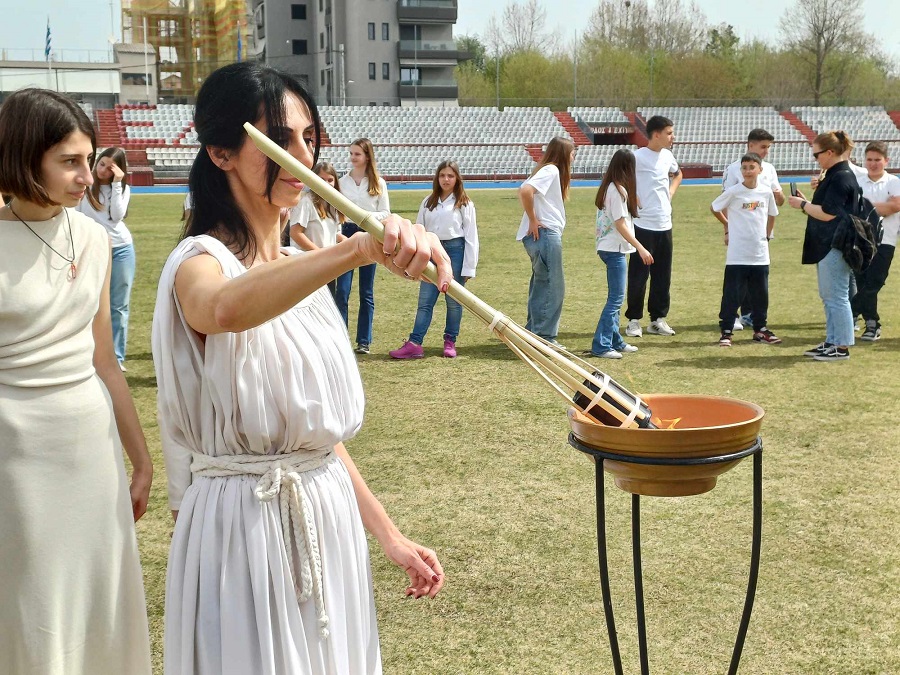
column 281, row 476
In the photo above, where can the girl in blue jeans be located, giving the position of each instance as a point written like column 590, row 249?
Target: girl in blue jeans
column 106, row 201
column 450, row 214
column 366, row 188
column 543, row 198
column 616, row 205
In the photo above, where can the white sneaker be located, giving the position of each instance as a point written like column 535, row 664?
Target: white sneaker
column 633, row 329
column 738, row 325
column 660, row 327
column 611, row 354
column 628, row 349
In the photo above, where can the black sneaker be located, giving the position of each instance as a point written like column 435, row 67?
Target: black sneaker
column 833, row 354
column 871, row 333
column 818, row 349
column 362, row 348
column 725, row 340
column 766, row 336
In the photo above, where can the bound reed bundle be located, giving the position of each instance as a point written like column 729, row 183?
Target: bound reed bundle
column 595, row 392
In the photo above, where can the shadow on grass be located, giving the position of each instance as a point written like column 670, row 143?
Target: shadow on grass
column 726, row 358
column 140, row 356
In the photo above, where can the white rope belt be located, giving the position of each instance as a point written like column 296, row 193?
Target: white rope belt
column 280, row 475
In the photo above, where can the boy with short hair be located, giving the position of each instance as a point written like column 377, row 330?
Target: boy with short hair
column 759, row 142
column 751, row 212
column 658, row 176
column 883, row 190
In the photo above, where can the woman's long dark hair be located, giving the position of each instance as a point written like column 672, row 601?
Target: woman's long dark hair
column 459, row 190
column 230, row 96
column 621, row 173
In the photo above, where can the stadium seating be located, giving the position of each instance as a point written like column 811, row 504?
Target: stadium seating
column 724, row 124
column 487, row 143
column 862, row 123
column 440, row 126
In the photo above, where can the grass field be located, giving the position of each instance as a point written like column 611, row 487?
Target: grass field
column 470, row 457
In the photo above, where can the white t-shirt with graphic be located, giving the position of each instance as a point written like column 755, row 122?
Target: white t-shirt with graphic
column 548, row 201
column 655, row 204
column 748, row 216
column 615, row 206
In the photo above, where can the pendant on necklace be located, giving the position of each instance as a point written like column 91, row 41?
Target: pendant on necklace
column 73, row 272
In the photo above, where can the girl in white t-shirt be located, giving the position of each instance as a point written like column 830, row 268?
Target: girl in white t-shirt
column 106, row 201
column 616, row 204
column 314, row 223
column 450, row 214
column 543, row 196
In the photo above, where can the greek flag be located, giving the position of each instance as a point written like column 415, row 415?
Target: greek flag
column 240, row 44
column 47, row 45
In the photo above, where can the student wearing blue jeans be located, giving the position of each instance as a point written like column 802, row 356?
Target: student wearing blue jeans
column 450, row 215
column 366, row 188
column 343, row 287
column 616, row 203
column 543, row 198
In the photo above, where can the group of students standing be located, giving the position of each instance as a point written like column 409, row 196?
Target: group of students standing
column 448, row 212
column 634, row 218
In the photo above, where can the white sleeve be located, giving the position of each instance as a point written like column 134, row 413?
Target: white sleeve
column 773, row 207
column 383, row 205
column 615, row 204
column 420, row 216
column 721, row 202
column 776, row 184
column 470, row 232
column 119, row 197
column 543, row 179
column 729, row 179
column 673, row 167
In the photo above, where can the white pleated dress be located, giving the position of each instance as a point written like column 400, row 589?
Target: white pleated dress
column 71, row 590
column 287, row 391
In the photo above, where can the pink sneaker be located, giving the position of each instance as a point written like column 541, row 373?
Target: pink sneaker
column 409, row 350
column 449, row 348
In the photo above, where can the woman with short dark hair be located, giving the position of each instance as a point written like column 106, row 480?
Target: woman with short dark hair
column 258, row 390
column 71, row 589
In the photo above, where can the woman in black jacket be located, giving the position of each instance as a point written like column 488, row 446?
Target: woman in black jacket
column 835, row 195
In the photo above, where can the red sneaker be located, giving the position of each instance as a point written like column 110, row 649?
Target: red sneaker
column 449, row 348
column 409, row 350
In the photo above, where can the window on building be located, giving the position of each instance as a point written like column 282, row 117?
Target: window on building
column 371, row 31
column 371, row 71
column 321, row 40
column 299, row 47
column 320, row 6
column 298, row 12
column 322, row 79
column 385, row 31
column 385, row 71
column 410, row 76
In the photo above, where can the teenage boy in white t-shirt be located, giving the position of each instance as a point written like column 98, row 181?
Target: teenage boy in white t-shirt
column 883, row 190
column 759, row 142
column 658, row 176
column 751, row 212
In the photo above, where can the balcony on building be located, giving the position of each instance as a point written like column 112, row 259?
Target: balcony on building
column 445, row 50
column 444, row 89
column 426, row 11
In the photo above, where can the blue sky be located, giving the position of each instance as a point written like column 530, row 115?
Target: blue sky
column 86, row 25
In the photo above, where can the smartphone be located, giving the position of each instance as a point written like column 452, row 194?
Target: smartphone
column 794, row 192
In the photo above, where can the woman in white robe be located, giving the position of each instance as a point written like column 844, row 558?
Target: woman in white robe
column 258, row 388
